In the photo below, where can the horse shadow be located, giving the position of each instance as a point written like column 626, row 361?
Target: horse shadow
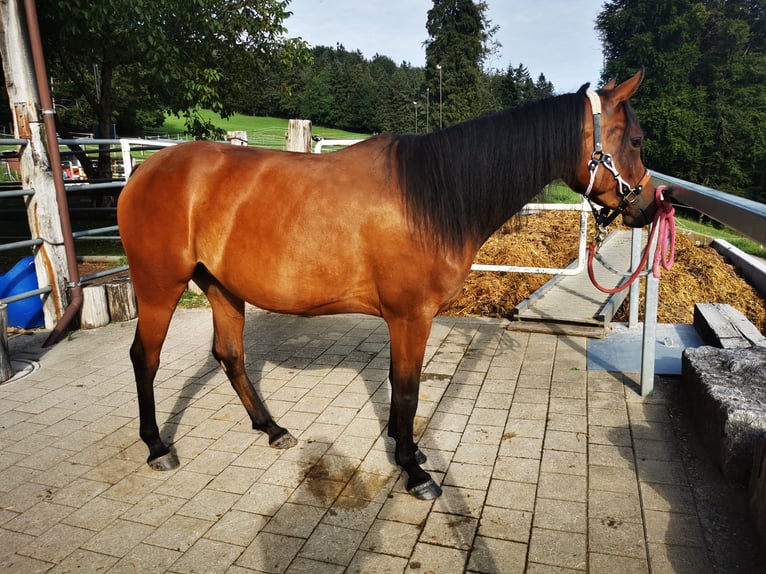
column 300, row 359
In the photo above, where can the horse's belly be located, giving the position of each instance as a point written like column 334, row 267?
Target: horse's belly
column 304, row 287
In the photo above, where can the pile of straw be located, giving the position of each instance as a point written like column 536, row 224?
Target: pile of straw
column 700, row 274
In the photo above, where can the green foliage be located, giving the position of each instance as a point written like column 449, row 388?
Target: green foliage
column 134, row 62
column 117, row 58
column 192, row 300
column 517, row 87
column 342, row 89
column 459, row 41
column 703, row 103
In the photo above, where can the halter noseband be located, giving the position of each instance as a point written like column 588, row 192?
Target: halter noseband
column 629, row 194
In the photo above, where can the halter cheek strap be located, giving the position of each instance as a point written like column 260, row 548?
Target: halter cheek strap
column 595, row 105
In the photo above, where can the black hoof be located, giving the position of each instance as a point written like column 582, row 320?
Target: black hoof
column 426, row 491
column 283, row 441
column 167, row 461
column 420, row 456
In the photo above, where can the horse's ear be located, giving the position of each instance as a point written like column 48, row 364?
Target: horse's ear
column 624, row 91
column 610, row 84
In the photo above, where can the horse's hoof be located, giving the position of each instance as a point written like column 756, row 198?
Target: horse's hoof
column 167, row 461
column 420, row 456
column 283, row 441
column 426, row 491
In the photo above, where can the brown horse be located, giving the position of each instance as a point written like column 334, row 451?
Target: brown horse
column 387, row 227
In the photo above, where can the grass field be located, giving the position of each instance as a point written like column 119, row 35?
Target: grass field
column 718, row 232
column 261, row 131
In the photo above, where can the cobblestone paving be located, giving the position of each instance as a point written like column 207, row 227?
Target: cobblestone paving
column 546, row 467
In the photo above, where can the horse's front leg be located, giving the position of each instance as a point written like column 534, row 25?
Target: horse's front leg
column 408, row 343
column 420, row 456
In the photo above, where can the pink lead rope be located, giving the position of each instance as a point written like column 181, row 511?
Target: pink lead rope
column 664, row 254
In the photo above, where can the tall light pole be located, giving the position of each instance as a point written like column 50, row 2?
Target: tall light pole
column 416, row 116
column 439, row 67
column 428, row 107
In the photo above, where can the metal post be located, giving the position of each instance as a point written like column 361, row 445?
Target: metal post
column 650, row 325
column 127, row 159
column 439, row 67
column 428, row 107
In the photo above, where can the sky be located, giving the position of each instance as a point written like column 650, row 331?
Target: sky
column 553, row 37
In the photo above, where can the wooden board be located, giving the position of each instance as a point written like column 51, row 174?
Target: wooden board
column 722, row 325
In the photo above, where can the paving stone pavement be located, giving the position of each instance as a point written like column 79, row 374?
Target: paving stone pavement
column 545, row 466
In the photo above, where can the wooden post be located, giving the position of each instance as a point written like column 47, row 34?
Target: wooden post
column 121, row 300
column 95, row 311
column 237, row 137
column 6, row 369
column 299, row 136
column 34, row 165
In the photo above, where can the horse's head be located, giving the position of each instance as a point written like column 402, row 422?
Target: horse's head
column 612, row 173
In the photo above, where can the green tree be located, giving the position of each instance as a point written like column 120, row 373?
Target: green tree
column 664, row 37
column 703, row 103
column 733, row 70
column 543, row 88
column 517, row 86
column 385, row 113
column 459, row 41
column 120, row 56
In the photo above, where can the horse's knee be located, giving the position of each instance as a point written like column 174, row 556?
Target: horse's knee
column 144, row 365
column 137, row 354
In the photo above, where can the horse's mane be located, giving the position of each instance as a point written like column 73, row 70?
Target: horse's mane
column 463, row 182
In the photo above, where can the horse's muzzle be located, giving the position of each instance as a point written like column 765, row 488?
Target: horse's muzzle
column 641, row 212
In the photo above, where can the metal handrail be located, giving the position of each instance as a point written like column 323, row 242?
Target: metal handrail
column 21, row 244
column 96, row 231
column 740, row 214
column 26, row 295
column 584, row 209
column 16, row 193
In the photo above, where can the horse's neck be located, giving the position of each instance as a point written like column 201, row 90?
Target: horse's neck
column 515, row 162
column 467, row 180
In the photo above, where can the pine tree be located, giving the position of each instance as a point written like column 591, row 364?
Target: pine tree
column 459, row 40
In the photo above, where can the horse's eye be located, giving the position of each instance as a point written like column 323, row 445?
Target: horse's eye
column 636, row 142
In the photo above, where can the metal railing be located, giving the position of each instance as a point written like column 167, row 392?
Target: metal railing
column 746, row 216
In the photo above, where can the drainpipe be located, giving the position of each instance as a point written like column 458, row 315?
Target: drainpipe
column 49, row 121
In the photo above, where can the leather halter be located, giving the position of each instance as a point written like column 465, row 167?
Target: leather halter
column 629, row 194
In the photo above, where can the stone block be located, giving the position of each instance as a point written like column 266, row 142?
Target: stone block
column 727, row 389
column 758, row 489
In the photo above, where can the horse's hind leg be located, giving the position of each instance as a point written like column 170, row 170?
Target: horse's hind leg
column 152, row 327
column 229, row 322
